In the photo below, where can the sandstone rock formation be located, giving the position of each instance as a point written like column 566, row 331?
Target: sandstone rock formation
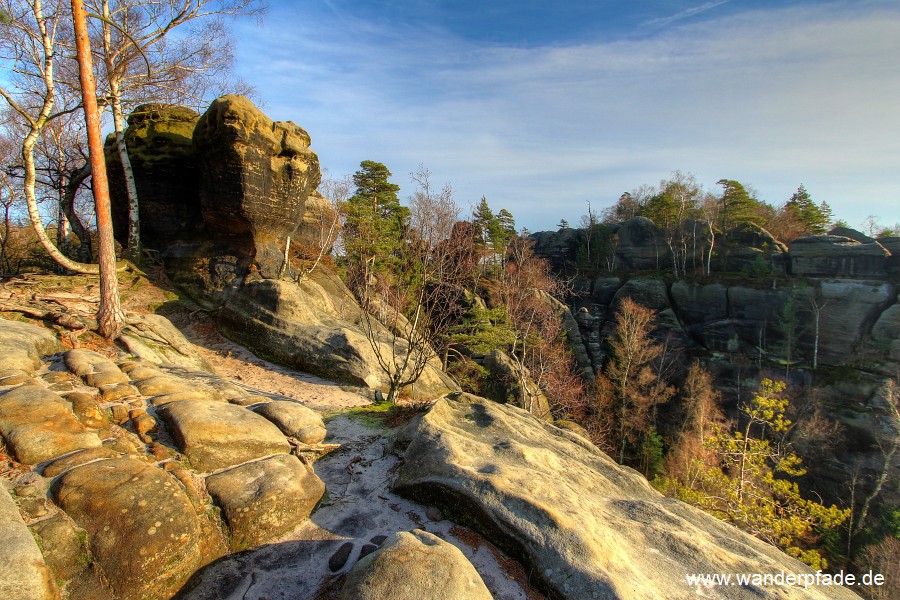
column 585, row 526
column 255, row 178
column 414, row 566
column 109, row 462
column 314, row 326
column 835, row 256
column 642, row 246
column 160, row 148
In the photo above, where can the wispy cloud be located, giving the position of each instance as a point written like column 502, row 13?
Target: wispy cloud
column 661, row 22
column 772, row 99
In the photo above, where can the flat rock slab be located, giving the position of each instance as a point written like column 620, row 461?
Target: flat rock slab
column 142, row 528
column 264, row 499
column 414, row 566
column 24, row 575
column 585, row 526
column 22, row 345
column 38, row 425
column 294, row 419
column 215, row 435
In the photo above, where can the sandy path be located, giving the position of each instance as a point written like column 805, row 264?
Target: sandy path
column 238, row 364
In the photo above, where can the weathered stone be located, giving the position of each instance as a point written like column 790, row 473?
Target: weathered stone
column 214, row 435
column 849, row 309
column 24, row 575
column 158, row 138
column 154, row 339
column 294, row 419
column 642, row 246
column 853, row 234
column 142, row 529
column 38, row 425
column 414, row 566
column 584, row 526
column 94, row 369
column 76, row 459
column 255, row 177
column 697, row 303
column 316, row 327
column 168, row 384
column 605, row 289
column 747, row 244
column 117, row 391
column 62, row 547
column 140, row 373
column 87, row 408
column 835, row 256
column 264, row 499
column 22, row 345
column 505, row 386
column 647, row 291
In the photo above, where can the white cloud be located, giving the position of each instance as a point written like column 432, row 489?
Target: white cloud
column 769, row 98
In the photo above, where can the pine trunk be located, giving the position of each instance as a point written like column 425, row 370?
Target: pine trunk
column 110, row 319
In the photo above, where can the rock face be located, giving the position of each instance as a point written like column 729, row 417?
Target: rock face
column 128, row 518
column 835, row 256
column 642, row 246
column 159, row 142
column 22, row 345
column 127, row 504
column 264, row 499
column 414, row 566
column 256, row 175
column 314, row 326
column 507, row 389
column 38, row 425
column 25, row 575
column 748, row 244
column 585, row 526
column 215, row 435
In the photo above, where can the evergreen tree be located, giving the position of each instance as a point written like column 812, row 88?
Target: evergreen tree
column 738, row 206
column 485, row 222
column 376, row 222
column 814, row 218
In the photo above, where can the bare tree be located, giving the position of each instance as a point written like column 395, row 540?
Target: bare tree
column 110, row 319
column 30, row 48
column 144, row 61
column 406, row 313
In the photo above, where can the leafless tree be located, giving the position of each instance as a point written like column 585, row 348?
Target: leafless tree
column 159, row 50
column 406, row 314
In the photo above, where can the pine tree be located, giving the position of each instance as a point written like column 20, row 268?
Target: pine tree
column 738, row 206
column 375, row 223
column 814, row 218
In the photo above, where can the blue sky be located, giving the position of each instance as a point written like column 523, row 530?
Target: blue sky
column 542, row 108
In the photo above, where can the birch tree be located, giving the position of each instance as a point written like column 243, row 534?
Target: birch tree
column 29, row 52
column 159, row 50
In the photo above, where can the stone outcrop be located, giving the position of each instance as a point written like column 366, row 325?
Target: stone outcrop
column 506, row 388
column 294, row 420
column 107, row 458
column 642, row 246
column 142, row 527
column 25, row 574
column 264, row 499
column 22, row 345
column 749, row 244
column 835, row 256
column 160, row 148
column 585, row 526
column 214, row 435
column 414, row 566
column 256, row 175
column 315, row 326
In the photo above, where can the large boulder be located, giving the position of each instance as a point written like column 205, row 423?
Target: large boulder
column 836, row 256
column 748, row 244
column 214, row 435
column 256, row 175
column 154, row 339
column 160, row 149
column 25, row 575
column 642, row 246
column 849, row 310
column 142, row 528
column 315, row 326
column 22, row 345
column 38, row 425
column 505, row 386
column 414, row 565
column 264, row 499
column 584, row 526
